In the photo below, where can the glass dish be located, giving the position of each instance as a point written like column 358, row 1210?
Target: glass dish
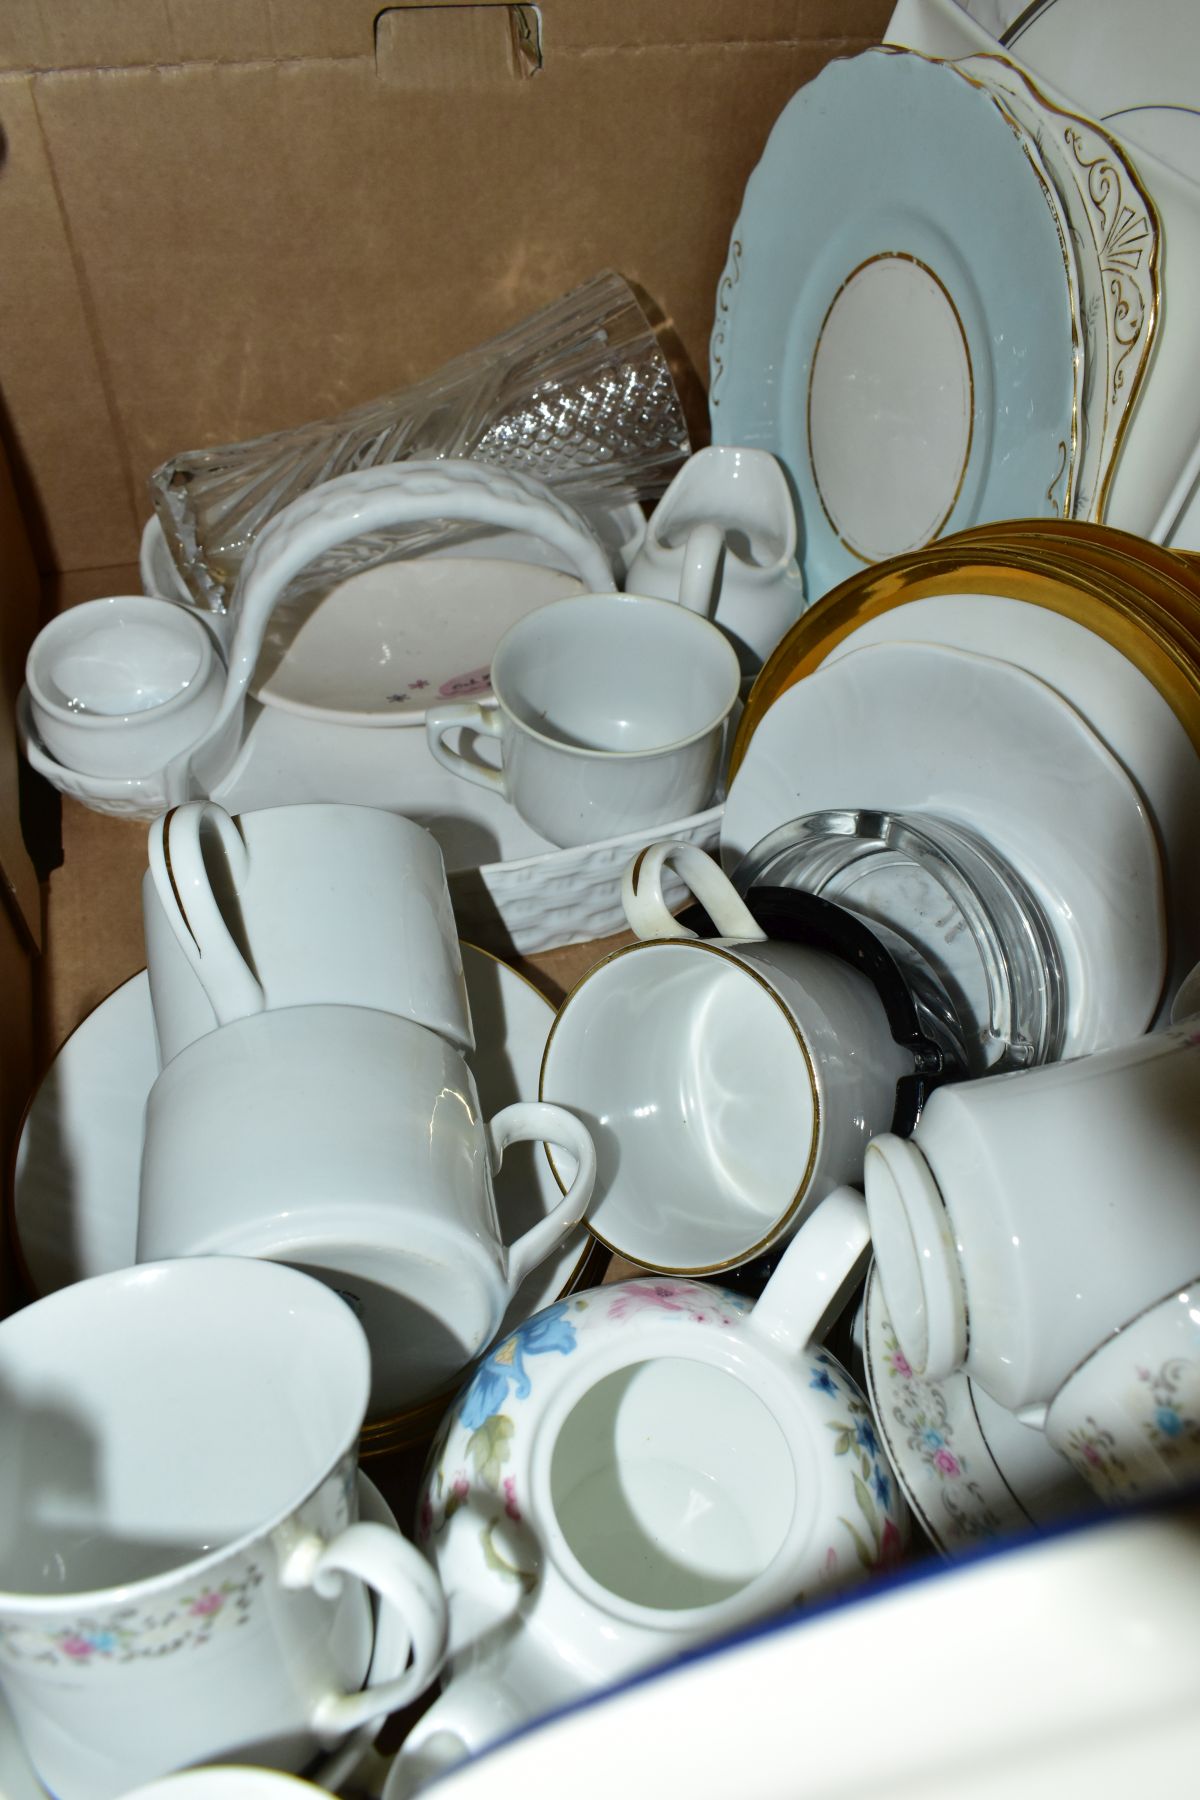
column 957, row 918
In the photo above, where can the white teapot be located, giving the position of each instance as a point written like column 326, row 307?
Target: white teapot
column 641, row 1467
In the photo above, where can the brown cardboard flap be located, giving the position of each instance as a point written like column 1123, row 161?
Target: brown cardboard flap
column 48, row 35
column 456, row 47
column 197, row 252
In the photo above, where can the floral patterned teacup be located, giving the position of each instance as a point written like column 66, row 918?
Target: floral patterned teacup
column 1129, row 1417
column 639, row 1468
column 182, row 1569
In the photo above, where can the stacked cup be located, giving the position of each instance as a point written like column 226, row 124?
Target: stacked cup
column 315, row 1105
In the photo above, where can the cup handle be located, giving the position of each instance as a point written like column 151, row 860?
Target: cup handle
column 440, row 720
column 404, row 1580
column 185, row 894
column 815, row 1273
column 702, row 555
column 541, row 1121
column 647, row 911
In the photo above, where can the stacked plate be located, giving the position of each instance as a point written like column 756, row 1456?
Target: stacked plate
column 1117, row 98
column 1038, row 684
column 922, row 361
column 1041, row 683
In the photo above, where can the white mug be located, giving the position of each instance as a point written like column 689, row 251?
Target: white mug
column 610, row 715
column 297, row 906
column 181, row 1566
column 1128, row 1418
column 350, row 1143
column 1031, row 1214
column 722, row 541
column 729, row 1084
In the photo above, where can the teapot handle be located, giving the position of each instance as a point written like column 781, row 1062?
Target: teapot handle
column 815, row 1275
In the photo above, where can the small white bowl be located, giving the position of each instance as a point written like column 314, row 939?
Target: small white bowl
column 117, row 687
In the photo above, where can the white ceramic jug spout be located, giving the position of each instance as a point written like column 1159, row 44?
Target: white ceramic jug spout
column 723, row 541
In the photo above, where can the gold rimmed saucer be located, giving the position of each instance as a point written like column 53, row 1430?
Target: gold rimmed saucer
column 1125, row 616
column 1162, row 575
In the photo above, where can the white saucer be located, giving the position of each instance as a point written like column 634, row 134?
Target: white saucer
column 75, row 1178
column 1122, row 706
column 920, row 728
column 969, row 1469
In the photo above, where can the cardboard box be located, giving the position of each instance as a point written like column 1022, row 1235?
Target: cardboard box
column 220, row 217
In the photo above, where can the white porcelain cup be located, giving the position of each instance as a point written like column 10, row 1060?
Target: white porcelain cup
column 1128, row 1418
column 350, row 1143
column 181, row 1566
column 610, row 715
column 729, row 1084
column 722, row 541
column 120, row 686
column 297, row 906
column 1031, row 1214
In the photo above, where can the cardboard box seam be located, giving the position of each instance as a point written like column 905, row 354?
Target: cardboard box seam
column 573, row 53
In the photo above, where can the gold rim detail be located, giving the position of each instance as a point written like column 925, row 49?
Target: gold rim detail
column 785, row 1217
column 900, row 256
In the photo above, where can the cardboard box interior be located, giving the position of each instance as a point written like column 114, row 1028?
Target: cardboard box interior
column 221, row 217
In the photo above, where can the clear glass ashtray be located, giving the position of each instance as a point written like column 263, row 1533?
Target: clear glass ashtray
column 956, row 916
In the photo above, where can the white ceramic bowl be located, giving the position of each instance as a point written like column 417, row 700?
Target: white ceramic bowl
column 119, row 686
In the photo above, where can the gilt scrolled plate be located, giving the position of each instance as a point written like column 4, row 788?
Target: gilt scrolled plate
column 897, row 319
column 1115, row 226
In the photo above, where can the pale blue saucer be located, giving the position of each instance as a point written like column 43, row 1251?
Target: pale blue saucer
column 888, row 159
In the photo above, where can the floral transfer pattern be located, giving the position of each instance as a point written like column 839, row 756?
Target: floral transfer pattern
column 954, row 1503
column 476, row 1472
column 500, row 1377
column 1160, row 1446
column 875, row 1532
column 503, row 1369
column 184, row 1620
column 688, row 1299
